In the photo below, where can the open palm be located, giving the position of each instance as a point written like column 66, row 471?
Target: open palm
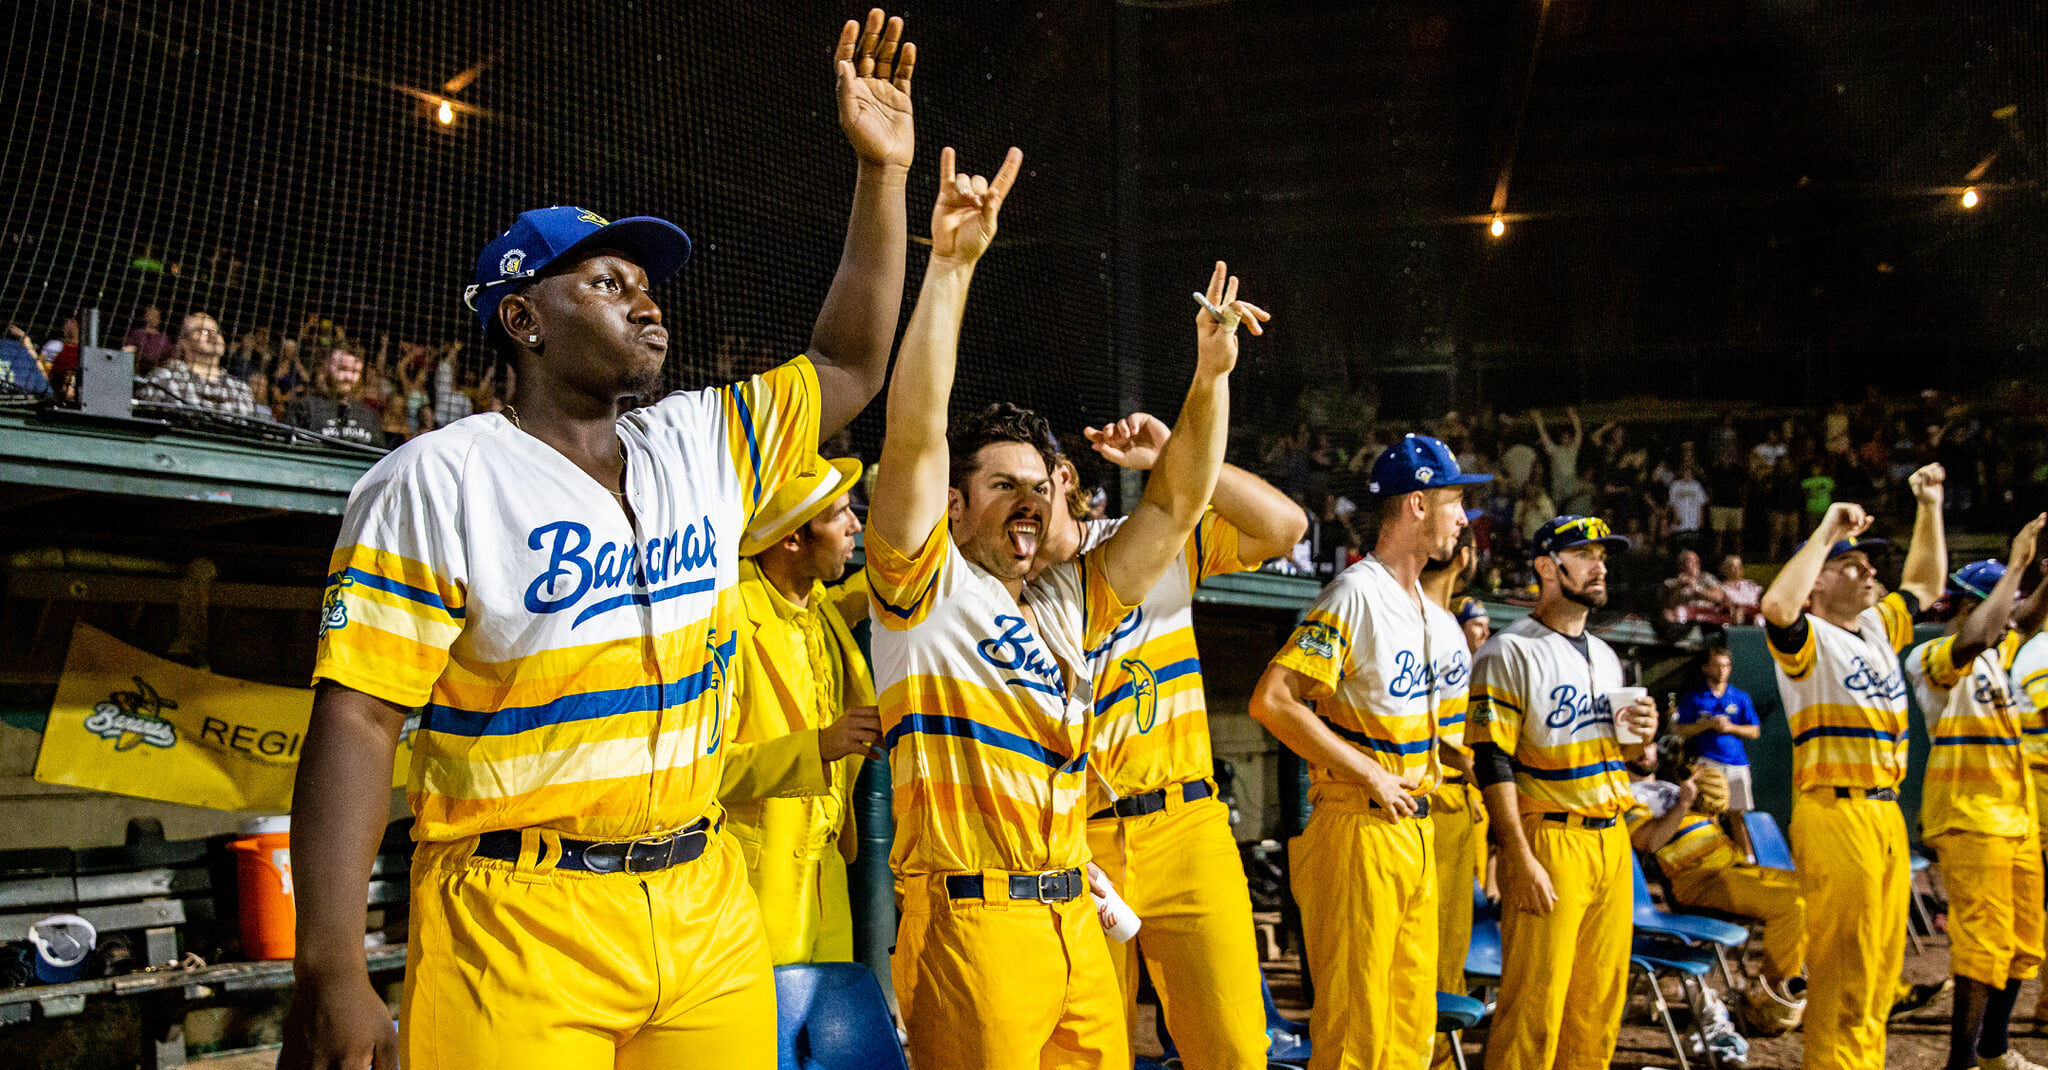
column 873, row 65
column 964, row 219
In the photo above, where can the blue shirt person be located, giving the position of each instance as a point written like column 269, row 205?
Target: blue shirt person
column 1715, row 720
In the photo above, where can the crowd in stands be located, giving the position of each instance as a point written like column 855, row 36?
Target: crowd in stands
column 319, row 379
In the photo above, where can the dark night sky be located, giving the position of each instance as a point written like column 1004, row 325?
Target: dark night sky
column 1722, row 199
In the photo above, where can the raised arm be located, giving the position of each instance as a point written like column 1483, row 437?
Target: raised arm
column 910, row 478
column 1268, row 522
column 1986, row 625
column 1785, row 599
column 850, row 341
column 1927, row 557
column 1542, row 432
column 1140, row 551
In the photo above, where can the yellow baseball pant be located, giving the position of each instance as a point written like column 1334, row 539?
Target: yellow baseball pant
column 1002, row 984
column 1564, row 975
column 805, row 909
column 1854, row 872
column 1771, row 896
column 1457, row 839
column 2040, row 777
column 1366, row 884
column 522, row 965
column 1994, row 905
column 1179, row 870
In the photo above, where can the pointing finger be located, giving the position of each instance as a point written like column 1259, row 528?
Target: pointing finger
column 1216, row 278
column 946, row 166
column 1007, row 177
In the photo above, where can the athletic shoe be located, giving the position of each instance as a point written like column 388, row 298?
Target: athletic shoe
column 1918, row 996
column 2011, row 1060
column 1768, row 1010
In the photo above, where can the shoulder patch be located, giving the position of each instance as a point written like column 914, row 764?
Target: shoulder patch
column 1317, row 638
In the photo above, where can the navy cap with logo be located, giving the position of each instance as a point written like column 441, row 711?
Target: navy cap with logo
column 1417, row 462
column 544, row 236
column 1976, row 579
column 1564, row 532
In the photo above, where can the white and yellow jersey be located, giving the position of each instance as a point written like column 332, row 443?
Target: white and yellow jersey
column 1377, row 669
column 1977, row 778
column 988, row 720
column 2029, row 677
column 1153, row 728
column 1845, row 696
column 1454, row 680
column 1544, row 703
column 571, row 662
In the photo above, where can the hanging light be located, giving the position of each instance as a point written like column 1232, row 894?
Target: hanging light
column 1970, row 197
column 445, row 113
column 1498, row 228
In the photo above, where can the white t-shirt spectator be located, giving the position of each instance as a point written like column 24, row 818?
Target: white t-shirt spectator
column 1745, row 600
column 1767, row 454
column 1688, row 503
column 1516, row 463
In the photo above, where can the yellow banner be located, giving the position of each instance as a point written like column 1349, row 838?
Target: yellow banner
column 132, row 723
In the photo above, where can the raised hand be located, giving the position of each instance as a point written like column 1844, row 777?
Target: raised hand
column 1846, row 520
column 1133, row 442
column 874, row 89
column 1216, row 340
column 964, row 219
column 2024, row 543
column 1926, row 484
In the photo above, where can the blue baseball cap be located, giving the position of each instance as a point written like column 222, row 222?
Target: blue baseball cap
column 543, row 236
column 1561, row 533
column 1417, row 462
column 1866, row 547
column 1976, row 579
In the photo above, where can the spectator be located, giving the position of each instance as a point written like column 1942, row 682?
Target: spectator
column 1516, row 464
column 1818, row 490
column 20, row 366
column 148, row 342
column 1693, row 596
column 1745, row 595
column 64, row 361
column 1769, row 452
column 1532, row 510
column 1726, row 444
column 1688, row 502
column 1727, row 499
column 336, row 411
column 451, row 399
column 289, row 377
column 1782, row 496
column 192, row 375
column 1715, row 721
column 1564, row 461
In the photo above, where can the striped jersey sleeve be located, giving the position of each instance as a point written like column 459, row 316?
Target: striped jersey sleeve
column 395, row 584
column 771, row 423
column 902, row 588
column 1497, row 706
column 1936, row 662
column 1898, row 620
column 1796, row 662
column 1214, row 549
column 1323, row 644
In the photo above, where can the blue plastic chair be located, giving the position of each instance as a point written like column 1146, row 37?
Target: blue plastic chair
column 1454, row 1015
column 1483, row 957
column 1685, row 928
column 1920, row 863
column 1768, row 840
column 831, row 1016
column 1649, row 958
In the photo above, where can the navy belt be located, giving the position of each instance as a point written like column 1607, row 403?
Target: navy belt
column 1879, row 794
column 1421, row 805
column 1057, row 886
column 609, row 856
column 1152, row 802
column 1584, row 822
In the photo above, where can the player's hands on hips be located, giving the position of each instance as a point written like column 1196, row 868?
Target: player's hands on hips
column 1525, row 885
column 1846, row 520
column 2024, row 544
column 1216, row 341
column 1926, row 484
column 338, row 1023
column 1393, row 793
column 874, row 89
column 1640, row 716
column 964, row 219
column 1133, row 442
column 855, row 732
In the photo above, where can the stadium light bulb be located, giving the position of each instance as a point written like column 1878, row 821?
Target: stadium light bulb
column 1498, row 228
column 1970, row 197
column 446, row 113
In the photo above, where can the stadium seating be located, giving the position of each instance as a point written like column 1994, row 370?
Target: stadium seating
column 831, row 1016
column 1653, row 920
column 1768, row 840
column 1652, row 958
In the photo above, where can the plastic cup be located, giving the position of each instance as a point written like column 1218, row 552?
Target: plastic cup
column 1619, row 699
column 1123, row 921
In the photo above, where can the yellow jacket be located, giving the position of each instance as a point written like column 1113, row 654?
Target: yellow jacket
column 795, row 670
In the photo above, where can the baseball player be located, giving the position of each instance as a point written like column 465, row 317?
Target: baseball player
column 1156, row 827
column 2030, row 696
column 803, row 712
column 1545, row 751
column 556, row 586
column 1977, row 800
column 1836, row 643
column 1457, row 810
column 1357, row 692
column 985, row 693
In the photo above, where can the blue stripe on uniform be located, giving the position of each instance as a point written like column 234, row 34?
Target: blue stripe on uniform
column 1574, row 773
column 1384, row 746
column 589, row 706
column 1978, row 741
column 1847, row 733
column 644, row 598
column 753, row 448
column 406, row 591
column 939, row 724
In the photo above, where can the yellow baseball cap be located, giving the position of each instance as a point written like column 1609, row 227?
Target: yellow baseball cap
column 798, row 500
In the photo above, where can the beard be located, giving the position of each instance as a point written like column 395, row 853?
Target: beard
column 1584, row 597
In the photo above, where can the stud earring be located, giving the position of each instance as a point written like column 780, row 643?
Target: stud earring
column 533, row 338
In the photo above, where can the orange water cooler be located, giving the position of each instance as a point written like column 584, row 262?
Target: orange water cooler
column 263, row 865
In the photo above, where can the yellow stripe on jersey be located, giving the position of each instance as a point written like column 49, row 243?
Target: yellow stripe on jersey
column 771, row 427
column 1542, row 702
column 1977, row 777
column 1796, row 664
column 1404, row 746
column 1847, row 699
column 1699, row 844
column 902, row 585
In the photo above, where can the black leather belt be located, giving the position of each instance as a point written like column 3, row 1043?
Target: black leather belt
column 1152, row 802
column 1880, row 794
column 1421, row 806
column 1057, row 886
column 609, row 856
column 1584, row 822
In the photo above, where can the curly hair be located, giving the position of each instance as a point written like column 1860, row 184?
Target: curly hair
column 1000, row 422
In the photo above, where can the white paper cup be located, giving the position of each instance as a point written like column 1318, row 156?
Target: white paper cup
column 1619, row 699
column 1122, row 923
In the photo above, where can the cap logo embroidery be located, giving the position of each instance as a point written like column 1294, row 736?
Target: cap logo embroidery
column 1424, row 475
column 588, row 216
column 509, row 263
